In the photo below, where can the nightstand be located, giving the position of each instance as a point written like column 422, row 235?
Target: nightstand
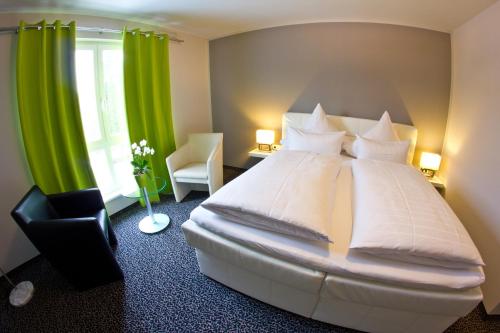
column 438, row 183
column 259, row 153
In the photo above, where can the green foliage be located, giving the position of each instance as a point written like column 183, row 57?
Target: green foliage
column 140, row 157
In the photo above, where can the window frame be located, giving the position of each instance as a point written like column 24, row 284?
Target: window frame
column 107, row 140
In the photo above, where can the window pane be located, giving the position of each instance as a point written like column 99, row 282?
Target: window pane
column 123, row 172
column 85, row 79
column 114, row 101
column 120, row 152
column 102, row 172
column 122, row 169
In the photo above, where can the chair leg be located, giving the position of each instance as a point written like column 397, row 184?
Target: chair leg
column 181, row 190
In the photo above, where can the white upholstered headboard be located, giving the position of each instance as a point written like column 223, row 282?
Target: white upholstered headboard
column 352, row 126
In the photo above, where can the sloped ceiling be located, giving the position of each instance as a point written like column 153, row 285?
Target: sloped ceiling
column 218, row 18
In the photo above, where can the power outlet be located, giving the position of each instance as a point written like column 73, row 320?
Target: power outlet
column 276, row 146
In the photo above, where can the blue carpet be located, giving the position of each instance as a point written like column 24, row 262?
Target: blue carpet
column 163, row 291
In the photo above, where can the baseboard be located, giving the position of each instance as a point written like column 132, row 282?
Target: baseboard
column 118, row 204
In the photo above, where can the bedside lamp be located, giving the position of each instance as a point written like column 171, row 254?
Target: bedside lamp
column 429, row 163
column 265, row 138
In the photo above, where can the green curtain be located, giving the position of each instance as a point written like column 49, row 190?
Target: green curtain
column 48, row 108
column 147, row 96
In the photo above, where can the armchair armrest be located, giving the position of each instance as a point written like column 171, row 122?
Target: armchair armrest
column 178, row 158
column 215, row 154
column 77, row 203
column 64, row 228
column 214, row 169
column 62, row 223
column 60, row 239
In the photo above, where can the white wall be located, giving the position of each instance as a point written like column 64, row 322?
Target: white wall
column 190, row 88
column 471, row 151
column 15, row 178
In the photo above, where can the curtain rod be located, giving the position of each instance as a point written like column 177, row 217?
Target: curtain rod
column 86, row 29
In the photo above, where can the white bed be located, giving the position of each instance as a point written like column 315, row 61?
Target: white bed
column 328, row 282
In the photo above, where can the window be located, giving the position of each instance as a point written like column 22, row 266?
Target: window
column 99, row 74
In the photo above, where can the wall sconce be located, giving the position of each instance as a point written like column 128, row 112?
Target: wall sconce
column 265, row 138
column 429, row 163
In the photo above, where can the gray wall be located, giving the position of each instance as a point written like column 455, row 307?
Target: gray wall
column 352, row 69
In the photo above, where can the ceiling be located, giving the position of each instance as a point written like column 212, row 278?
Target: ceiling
column 218, row 18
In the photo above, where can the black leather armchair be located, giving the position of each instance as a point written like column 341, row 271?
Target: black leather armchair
column 72, row 230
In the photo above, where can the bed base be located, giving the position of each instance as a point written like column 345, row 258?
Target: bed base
column 348, row 302
column 283, row 296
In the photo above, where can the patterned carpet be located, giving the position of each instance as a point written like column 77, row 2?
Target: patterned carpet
column 162, row 292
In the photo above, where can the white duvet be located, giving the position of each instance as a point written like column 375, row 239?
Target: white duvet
column 399, row 215
column 289, row 192
column 336, row 258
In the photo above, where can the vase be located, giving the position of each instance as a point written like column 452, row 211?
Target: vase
column 146, row 181
column 143, row 180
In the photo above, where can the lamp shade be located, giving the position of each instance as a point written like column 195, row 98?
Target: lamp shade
column 430, row 161
column 265, row 137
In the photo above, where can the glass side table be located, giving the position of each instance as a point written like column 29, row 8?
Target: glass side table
column 152, row 223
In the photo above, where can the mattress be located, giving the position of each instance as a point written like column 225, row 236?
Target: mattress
column 336, row 258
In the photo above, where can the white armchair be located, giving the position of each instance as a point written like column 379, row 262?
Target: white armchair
column 199, row 161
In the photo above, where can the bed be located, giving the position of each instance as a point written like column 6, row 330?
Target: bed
column 328, row 281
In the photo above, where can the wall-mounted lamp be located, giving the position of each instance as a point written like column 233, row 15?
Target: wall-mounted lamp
column 429, row 163
column 265, row 138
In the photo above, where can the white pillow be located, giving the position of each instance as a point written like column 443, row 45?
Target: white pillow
column 383, row 130
column 322, row 143
column 318, row 122
column 392, row 151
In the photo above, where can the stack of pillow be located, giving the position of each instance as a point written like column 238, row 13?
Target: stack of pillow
column 381, row 142
column 319, row 135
